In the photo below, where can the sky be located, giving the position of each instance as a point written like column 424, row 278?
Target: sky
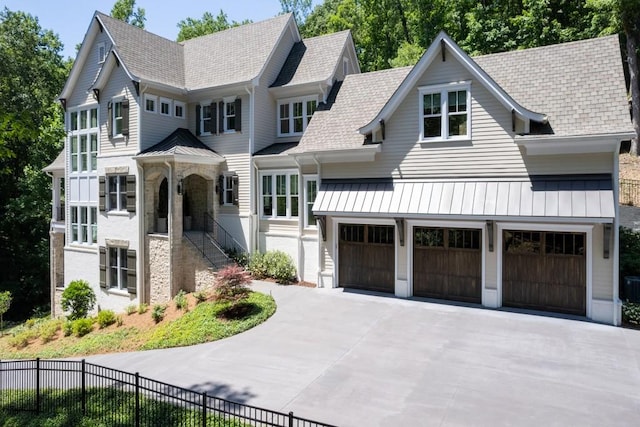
column 70, row 19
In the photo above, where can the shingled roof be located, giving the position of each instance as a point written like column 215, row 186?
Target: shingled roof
column 146, row 55
column 180, row 142
column 312, row 60
column 359, row 99
column 580, row 85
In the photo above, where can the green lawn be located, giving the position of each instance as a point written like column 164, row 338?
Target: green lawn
column 204, row 322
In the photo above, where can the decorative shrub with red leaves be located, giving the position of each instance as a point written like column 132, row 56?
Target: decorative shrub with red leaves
column 232, row 284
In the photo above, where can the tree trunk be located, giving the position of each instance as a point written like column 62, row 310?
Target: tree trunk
column 632, row 61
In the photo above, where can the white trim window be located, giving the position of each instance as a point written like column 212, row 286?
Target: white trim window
column 444, row 112
column 178, row 109
column 102, row 52
column 206, row 119
column 150, row 103
column 83, row 139
column 229, row 116
column 84, row 224
column 118, row 271
column 229, row 183
column 310, row 194
column 117, row 190
column 165, row 106
column 279, row 194
column 117, row 118
column 294, row 115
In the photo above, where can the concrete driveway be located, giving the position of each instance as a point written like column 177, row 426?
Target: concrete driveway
column 363, row 360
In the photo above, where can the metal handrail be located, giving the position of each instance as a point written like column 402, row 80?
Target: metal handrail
column 222, row 237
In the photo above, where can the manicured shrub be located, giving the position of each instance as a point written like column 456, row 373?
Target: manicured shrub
column 629, row 252
column 231, row 284
column 78, row 298
column 257, row 266
column 142, row 308
column 19, row 340
column 157, row 313
column 181, row 300
column 82, row 327
column 131, row 309
column 277, row 265
column 200, row 296
column 106, row 318
column 30, row 323
column 631, row 313
column 240, row 258
column 67, row 328
column 49, row 330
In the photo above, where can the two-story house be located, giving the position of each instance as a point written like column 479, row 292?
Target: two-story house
column 488, row 180
column 160, row 137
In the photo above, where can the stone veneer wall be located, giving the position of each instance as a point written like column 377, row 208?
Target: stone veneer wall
column 158, row 269
column 197, row 273
column 57, row 271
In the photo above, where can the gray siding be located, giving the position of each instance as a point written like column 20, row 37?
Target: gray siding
column 81, row 95
column 155, row 126
column 119, row 85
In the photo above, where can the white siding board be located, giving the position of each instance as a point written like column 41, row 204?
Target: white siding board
column 565, row 200
column 526, row 200
column 119, row 85
column 490, row 198
column 436, row 194
column 515, row 190
column 414, row 200
column 539, row 203
column 479, row 198
column 551, row 199
column 446, row 198
column 468, row 198
column 407, row 197
column 385, row 205
column 81, row 94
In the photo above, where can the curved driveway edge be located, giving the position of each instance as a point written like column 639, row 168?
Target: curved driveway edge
column 353, row 359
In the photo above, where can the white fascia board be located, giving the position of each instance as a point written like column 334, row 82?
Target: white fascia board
column 551, row 144
column 478, row 73
column 364, row 154
column 180, row 158
column 107, row 68
column 81, row 58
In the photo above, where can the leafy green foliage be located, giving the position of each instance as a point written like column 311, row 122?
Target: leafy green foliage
column 82, row 327
column 67, row 328
column 5, row 303
column 180, row 300
column 157, row 313
column 629, row 252
column 299, row 8
column 142, row 308
column 232, row 284
column 31, row 133
column 203, row 323
column 277, row 265
column 191, row 28
column 124, row 11
column 631, row 313
column 106, row 318
column 78, row 298
column 49, row 330
column 200, row 296
column 130, row 309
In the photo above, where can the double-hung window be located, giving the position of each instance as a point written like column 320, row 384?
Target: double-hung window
column 117, row 189
column 229, row 188
column 206, row 117
column 229, row 116
column 117, row 118
column 83, row 140
column 280, row 193
column 178, row 109
column 150, row 103
column 310, row 194
column 118, row 270
column 294, row 115
column 84, row 224
column 445, row 112
column 165, row 106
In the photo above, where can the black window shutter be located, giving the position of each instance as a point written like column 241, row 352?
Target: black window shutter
column 221, row 125
column 125, row 117
column 109, row 118
column 235, row 189
column 102, row 183
column 198, row 110
column 131, row 271
column 103, row 267
column 238, row 114
column 221, row 189
column 131, row 193
column 214, row 115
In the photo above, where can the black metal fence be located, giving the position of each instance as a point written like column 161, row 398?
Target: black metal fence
column 630, row 192
column 114, row 397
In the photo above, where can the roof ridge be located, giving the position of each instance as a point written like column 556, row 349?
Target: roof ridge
column 133, row 27
column 326, row 35
column 549, row 46
column 244, row 26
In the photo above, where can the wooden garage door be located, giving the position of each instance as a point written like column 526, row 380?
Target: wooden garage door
column 447, row 263
column 544, row 271
column 366, row 257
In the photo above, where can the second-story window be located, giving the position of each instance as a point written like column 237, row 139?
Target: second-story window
column 83, row 139
column 165, row 106
column 205, row 119
column 229, row 116
column 294, row 115
column 445, row 112
column 118, row 124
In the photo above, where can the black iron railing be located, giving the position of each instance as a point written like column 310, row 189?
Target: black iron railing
column 221, row 236
column 630, row 192
column 114, row 397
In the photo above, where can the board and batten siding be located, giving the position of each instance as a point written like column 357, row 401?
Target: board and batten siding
column 119, row 85
column 155, row 126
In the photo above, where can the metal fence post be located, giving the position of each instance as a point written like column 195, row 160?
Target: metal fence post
column 137, row 399
column 291, row 419
column 37, row 385
column 204, row 409
column 84, row 388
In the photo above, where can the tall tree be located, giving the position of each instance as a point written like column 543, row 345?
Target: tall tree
column 208, row 24
column 31, row 133
column 299, row 8
column 125, row 10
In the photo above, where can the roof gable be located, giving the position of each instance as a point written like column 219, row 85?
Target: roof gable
column 443, row 41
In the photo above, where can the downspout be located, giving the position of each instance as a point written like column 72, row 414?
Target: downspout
column 142, row 235
column 253, row 221
column 616, row 233
column 170, row 226
column 253, row 196
column 300, row 218
column 320, row 248
column 52, row 279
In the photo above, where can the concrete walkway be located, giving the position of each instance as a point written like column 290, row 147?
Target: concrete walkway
column 362, row 360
